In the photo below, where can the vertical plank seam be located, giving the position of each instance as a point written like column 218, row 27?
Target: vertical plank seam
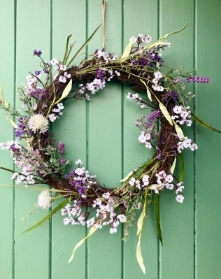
column 194, row 131
column 87, row 155
column 158, row 243
column 122, row 139
column 14, row 104
column 51, row 221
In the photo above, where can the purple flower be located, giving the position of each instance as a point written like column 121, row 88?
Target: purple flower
column 37, row 73
column 37, row 52
column 198, row 79
column 63, row 161
column 154, row 115
column 171, row 94
column 21, row 130
column 61, row 147
column 45, row 71
column 100, row 74
column 39, row 93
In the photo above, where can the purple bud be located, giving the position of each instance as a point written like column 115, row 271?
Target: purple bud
column 37, row 52
column 37, row 73
column 63, row 161
column 61, row 147
column 198, row 79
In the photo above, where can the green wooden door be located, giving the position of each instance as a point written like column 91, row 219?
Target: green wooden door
column 103, row 135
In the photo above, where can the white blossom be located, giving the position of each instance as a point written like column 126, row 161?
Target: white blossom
column 54, row 61
column 180, row 198
column 122, row 218
column 62, row 79
column 44, row 199
column 38, row 122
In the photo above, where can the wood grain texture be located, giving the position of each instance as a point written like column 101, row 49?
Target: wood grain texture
column 146, row 14
column 32, row 250
column 105, row 141
column 178, row 219
column 6, row 133
column 208, row 178
column 102, row 133
column 71, row 128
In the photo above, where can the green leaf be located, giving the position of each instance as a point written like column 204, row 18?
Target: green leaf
column 164, row 111
column 3, row 98
column 143, row 167
column 127, row 176
column 174, row 32
column 65, row 92
column 83, row 46
column 13, row 123
column 148, row 90
column 173, row 166
column 140, row 257
column 182, row 167
column 92, row 230
column 156, row 44
column 157, row 216
column 127, row 50
column 140, row 224
column 50, row 214
column 204, row 124
column 164, row 37
column 66, row 49
column 178, row 129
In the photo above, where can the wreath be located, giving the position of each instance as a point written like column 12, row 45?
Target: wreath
column 42, row 159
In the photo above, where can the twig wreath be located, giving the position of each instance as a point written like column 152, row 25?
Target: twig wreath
column 42, row 159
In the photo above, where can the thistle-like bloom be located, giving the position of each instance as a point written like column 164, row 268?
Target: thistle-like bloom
column 44, row 199
column 38, row 122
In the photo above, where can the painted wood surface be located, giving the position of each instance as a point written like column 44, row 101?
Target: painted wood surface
column 102, row 133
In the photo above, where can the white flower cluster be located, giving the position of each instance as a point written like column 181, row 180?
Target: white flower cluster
column 179, row 191
column 95, row 85
column 25, row 179
column 105, row 214
column 38, row 122
column 107, row 57
column 139, row 184
column 32, row 83
column 56, row 112
column 186, row 143
column 27, row 169
column 59, row 67
column 44, row 199
column 156, row 86
column 144, row 138
column 166, row 181
column 80, row 179
column 141, row 39
column 182, row 115
column 8, row 145
column 137, row 98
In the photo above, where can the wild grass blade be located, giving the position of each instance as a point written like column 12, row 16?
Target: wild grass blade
column 50, row 214
column 83, row 46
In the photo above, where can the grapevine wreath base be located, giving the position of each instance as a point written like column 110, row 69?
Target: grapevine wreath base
column 41, row 159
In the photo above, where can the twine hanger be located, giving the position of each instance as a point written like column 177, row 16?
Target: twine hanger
column 103, row 7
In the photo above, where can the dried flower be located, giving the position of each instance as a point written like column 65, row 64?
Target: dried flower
column 38, row 122
column 44, row 199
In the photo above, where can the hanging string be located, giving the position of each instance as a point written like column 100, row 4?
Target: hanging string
column 103, row 6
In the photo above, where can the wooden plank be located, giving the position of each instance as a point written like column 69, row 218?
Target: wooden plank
column 178, row 219
column 146, row 15
column 208, row 182
column 71, row 128
column 31, row 249
column 104, row 141
column 6, row 193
